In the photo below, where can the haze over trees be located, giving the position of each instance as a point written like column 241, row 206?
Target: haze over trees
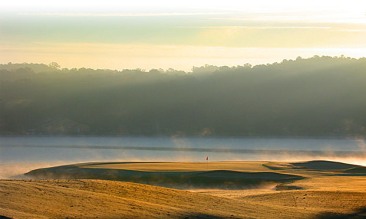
column 319, row 96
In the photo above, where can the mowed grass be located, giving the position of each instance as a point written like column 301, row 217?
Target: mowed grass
column 320, row 189
column 181, row 175
column 247, row 166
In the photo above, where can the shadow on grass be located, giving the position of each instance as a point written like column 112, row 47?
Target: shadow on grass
column 358, row 214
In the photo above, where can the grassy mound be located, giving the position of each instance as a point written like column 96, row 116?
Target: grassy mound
column 323, row 165
column 176, row 179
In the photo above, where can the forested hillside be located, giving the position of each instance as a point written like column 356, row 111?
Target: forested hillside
column 320, row 96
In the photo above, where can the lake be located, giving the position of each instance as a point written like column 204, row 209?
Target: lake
column 21, row 154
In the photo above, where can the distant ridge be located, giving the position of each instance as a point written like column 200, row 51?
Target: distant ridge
column 316, row 97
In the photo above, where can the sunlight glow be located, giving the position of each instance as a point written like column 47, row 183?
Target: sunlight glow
column 226, row 30
column 121, row 56
column 347, row 6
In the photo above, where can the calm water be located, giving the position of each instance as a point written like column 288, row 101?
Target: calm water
column 21, row 154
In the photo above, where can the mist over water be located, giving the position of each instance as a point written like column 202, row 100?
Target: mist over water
column 22, row 154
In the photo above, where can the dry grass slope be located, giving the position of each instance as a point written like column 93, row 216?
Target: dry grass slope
column 320, row 190
column 108, row 199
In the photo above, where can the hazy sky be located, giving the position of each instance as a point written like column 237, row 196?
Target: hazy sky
column 178, row 34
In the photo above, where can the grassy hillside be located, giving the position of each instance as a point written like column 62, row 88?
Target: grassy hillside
column 192, row 175
column 319, row 193
column 108, row 199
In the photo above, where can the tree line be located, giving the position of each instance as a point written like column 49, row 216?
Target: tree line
column 318, row 96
